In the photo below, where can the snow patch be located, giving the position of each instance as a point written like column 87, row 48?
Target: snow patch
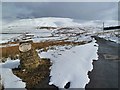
column 71, row 65
column 9, row 80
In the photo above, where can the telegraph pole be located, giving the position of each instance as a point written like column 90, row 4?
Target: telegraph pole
column 103, row 25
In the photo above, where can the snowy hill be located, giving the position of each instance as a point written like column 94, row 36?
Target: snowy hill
column 25, row 25
column 44, row 22
column 28, row 24
column 70, row 26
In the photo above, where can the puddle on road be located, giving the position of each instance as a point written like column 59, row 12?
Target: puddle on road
column 111, row 57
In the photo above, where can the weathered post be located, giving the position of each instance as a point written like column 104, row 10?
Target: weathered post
column 29, row 58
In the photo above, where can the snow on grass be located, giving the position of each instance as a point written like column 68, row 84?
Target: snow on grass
column 8, row 36
column 9, row 80
column 5, row 38
column 110, row 35
column 111, row 38
column 3, row 41
column 41, row 39
column 15, row 28
column 71, row 65
column 10, row 63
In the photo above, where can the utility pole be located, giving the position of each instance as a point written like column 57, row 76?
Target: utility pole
column 103, row 27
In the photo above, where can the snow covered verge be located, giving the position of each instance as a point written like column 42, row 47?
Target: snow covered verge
column 114, row 38
column 9, row 80
column 71, row 64
column 111, row 35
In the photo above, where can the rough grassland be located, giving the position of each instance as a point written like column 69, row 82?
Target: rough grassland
column 13, row 51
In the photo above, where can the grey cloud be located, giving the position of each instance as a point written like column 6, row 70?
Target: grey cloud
column 59, row 0
column 76, row 10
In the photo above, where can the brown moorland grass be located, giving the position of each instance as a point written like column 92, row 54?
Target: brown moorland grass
column 36, row 76
column 12, row 51
column 9, row 51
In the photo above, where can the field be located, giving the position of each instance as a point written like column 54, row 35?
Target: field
column 66, row 49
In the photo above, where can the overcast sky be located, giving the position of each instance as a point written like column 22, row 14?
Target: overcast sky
column 76, row 10
column 60, row 0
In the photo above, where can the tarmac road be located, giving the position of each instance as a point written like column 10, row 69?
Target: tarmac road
column 105, row 71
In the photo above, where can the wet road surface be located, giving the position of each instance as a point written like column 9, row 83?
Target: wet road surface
column 105, row 71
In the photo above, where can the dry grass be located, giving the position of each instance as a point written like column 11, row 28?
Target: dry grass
column 36, row 76
column 12, row 51
column 9, row 51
